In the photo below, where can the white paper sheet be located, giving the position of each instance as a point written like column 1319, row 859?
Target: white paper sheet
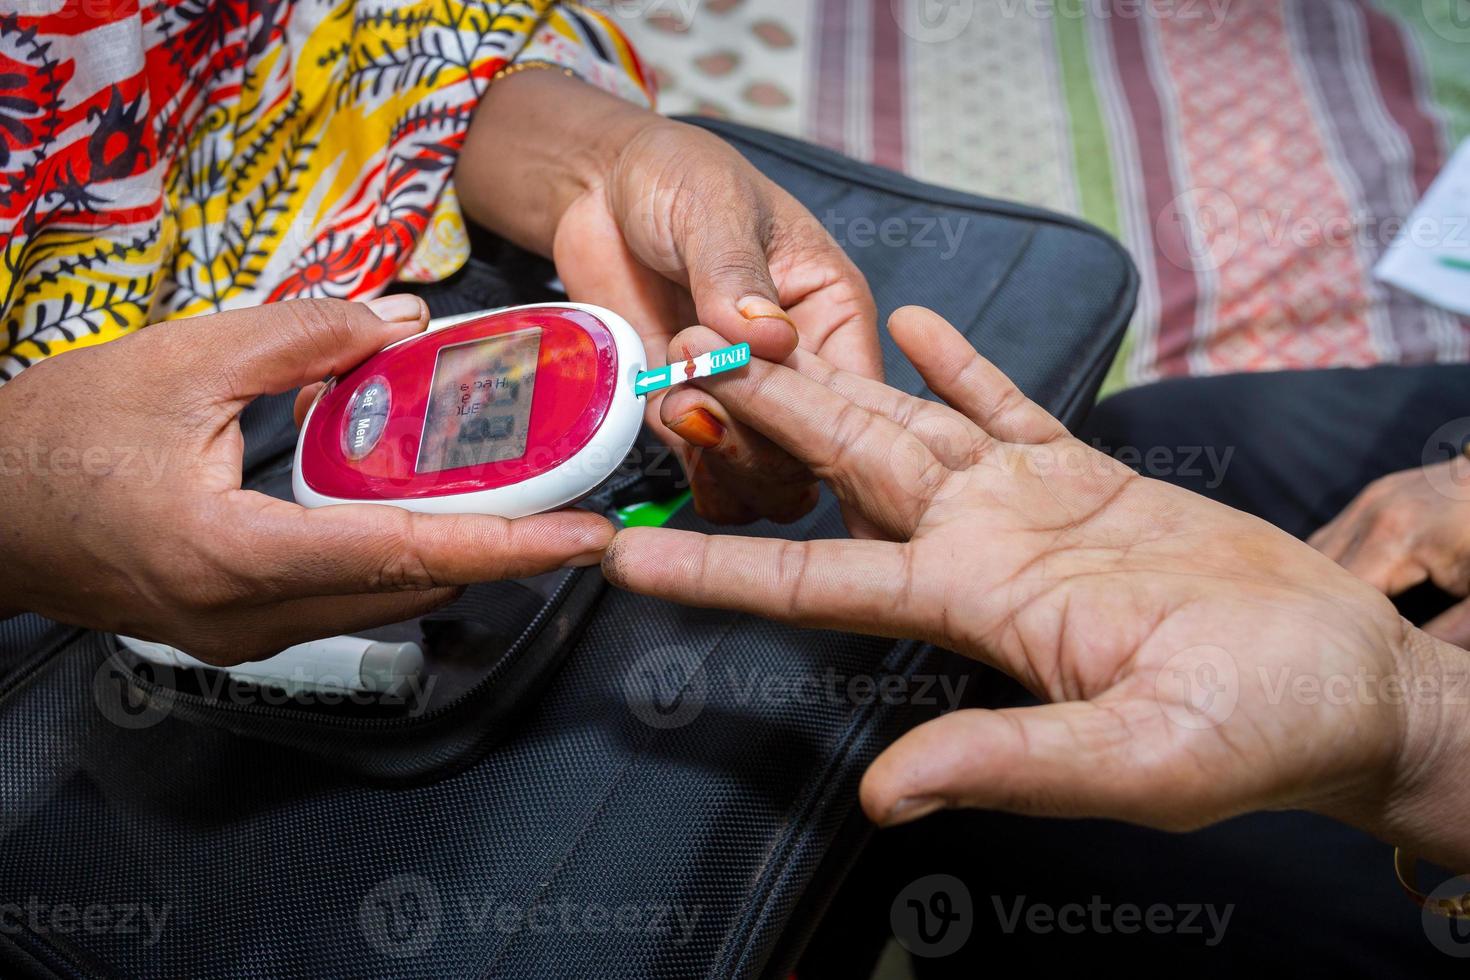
column 1431, row 256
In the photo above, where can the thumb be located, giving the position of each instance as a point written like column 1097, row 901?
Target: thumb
column 734, row 295
column 1452, row 625
column 1070, row 759
column 273, row 348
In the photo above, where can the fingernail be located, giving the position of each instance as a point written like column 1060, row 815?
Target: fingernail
column 397, row 308
column 585, row 559
column 760, row 308
column 699, row 428
column 911, row 808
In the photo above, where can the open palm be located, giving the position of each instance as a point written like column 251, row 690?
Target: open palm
column 1190, row 651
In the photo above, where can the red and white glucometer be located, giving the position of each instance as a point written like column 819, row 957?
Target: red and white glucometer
column 511, row 412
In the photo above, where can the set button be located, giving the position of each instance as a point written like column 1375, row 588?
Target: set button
column 366, row 416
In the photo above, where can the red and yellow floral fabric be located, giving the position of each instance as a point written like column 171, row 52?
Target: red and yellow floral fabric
column 167, row 158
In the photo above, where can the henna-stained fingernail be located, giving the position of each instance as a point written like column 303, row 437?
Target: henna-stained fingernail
column 699, row 428
column 759, row 308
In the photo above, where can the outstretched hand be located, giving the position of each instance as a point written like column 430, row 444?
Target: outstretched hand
column 1170, row 633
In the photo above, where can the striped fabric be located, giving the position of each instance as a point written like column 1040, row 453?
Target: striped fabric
column 1256, row 156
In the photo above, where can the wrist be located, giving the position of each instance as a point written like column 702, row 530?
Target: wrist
column 1426, row 793
column 13, row 474
column 538, row 141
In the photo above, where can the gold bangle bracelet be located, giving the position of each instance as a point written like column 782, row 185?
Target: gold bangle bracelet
column 518, row 66
column 1405, row 864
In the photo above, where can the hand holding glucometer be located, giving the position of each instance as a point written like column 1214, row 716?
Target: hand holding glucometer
column 510, row 412
column 162, row 535
column 507, row 413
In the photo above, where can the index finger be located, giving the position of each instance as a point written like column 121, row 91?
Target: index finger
column 1338, row 534
column 1383, row 562
column 827, row 584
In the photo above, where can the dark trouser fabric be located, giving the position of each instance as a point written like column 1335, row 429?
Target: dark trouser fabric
column 1304, row 895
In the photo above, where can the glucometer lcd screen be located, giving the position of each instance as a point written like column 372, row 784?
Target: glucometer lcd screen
column 480, row 402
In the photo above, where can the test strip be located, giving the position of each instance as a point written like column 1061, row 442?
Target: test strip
column 713, row 362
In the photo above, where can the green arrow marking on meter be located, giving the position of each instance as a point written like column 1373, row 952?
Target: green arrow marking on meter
column 714, row 362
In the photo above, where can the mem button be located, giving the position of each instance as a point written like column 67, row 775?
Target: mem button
column 366, row 415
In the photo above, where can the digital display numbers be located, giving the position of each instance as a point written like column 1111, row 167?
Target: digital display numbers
column 480, row 402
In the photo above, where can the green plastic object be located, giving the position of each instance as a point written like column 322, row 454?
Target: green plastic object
column 652, row 513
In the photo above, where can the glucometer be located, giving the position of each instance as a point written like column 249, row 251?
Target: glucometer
column 511, row 412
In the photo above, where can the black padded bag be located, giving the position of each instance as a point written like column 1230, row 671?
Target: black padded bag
column 612, row 787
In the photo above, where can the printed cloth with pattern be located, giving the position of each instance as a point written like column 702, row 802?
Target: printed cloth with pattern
column 166, row 158
column 1256, row 156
